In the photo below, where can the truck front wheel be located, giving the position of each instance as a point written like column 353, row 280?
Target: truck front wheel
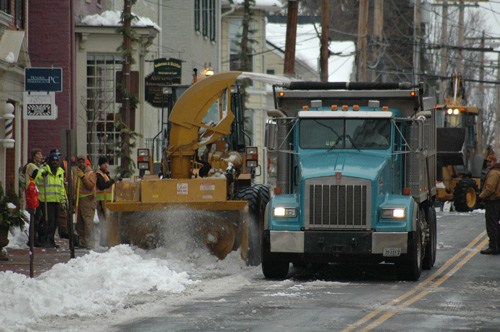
column 275, row 270
column 410, row 268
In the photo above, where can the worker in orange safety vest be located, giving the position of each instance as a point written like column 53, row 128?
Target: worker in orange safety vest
column 104, row 194
column 86, row 204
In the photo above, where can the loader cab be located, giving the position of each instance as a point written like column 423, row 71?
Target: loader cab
column 457, row 135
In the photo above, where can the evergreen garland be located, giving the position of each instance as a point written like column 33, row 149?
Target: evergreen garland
column 128, row 137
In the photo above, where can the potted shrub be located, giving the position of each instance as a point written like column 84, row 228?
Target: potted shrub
column 10, row 216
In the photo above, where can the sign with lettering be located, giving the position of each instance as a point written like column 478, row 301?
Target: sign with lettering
column 171, row 68
column 43, row 79
column 40, row 106
column 154, row 90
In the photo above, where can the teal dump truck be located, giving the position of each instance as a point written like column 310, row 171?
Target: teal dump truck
column 356, row 174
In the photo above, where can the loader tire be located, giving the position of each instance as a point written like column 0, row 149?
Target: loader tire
column 465, row 197
column 257, row 197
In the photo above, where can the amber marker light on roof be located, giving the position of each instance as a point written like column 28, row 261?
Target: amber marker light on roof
column 385, row 108
column 334, row 107
column 345, row 107
column 282, row 94
column 355, row 107
column 305, row 108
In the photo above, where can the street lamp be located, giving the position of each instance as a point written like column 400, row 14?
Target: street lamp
column 7, row 115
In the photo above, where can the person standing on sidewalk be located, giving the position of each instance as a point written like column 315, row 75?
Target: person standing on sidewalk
column 104, row 194
column 490, row 194
column 31, row 170
column 50, row 183
column 86, row 204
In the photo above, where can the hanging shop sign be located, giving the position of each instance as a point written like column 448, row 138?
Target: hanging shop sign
column 170, row 68
column 40, row 106
column 43, row 79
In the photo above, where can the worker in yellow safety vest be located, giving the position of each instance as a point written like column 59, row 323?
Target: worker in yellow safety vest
column 86, row 204
column 50, row 183
column 104, row 194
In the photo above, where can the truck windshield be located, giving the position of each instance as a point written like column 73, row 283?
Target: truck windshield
column 345, row 133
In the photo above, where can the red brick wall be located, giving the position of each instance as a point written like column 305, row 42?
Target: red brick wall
column 50, row 37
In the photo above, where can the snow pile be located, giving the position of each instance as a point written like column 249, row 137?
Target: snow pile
column 113, row 18
column 94, row 284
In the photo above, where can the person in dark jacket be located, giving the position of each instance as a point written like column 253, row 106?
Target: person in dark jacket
column 490, row 194
column 104, row 194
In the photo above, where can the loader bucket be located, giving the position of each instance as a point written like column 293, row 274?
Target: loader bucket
column 451, row 146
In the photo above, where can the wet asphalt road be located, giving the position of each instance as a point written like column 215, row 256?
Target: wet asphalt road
column 461, row 293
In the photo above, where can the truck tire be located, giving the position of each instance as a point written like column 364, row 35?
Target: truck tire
column 257, row 197
column 431, row 246
column 465, row 195
column 410, row 268
column 275, row 270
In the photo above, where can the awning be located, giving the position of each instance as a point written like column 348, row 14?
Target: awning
column 10, row 45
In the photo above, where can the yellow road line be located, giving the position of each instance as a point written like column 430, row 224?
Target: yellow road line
column 419, row 288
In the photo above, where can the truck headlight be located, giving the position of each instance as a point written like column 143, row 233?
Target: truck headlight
column 286, row 212
column 395, row 213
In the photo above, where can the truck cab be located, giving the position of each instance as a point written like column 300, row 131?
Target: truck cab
column 347, row 196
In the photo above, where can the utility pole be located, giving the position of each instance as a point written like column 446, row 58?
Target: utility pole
column 245, row 65
column 362, row 42
column 444, row 50
column 416, row 41
column 497, row 111
column 127, row 44
column 461, row 28
column 480, row 94
column 378, row 27
column 325, row 17
column 291, row 36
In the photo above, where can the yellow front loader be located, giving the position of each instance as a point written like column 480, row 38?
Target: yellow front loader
column 207, row 170
column 461, row 165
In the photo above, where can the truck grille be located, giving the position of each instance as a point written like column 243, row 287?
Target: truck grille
column 335, row 205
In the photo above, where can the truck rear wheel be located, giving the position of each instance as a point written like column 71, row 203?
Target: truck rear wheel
column 431, row 246
column 257, row 197
column 465, row 195
column 275, row 270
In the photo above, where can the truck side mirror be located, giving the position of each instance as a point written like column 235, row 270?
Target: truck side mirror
column 271, row 136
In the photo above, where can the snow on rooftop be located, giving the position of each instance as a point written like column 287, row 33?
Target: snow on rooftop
column 113, row 17
column 307, row 49
column 262, row 3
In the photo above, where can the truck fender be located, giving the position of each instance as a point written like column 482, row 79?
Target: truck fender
column 414, row 218
column 266, row 216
